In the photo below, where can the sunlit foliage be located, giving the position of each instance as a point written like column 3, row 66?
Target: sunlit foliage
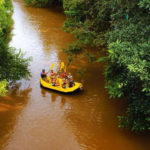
column 12, row 64
column 3, row 85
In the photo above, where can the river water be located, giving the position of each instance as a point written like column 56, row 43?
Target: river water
column 32, row 118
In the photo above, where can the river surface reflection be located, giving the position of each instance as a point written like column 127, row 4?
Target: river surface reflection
column 32, row 118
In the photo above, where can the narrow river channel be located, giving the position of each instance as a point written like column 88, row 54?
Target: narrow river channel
column 32, row 118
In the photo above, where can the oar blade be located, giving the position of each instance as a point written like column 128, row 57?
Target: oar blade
column 62, row 66
column 52, row 66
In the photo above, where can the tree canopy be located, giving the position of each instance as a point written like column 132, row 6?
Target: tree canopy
column 122, row 26
column 12, row 64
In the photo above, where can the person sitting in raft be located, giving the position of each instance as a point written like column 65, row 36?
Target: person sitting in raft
column 69, row 76
column 64, row 75
column 49, row 79
column 52, row 75
column 71, row 82
column 53, row 82
column 64, row 83
column 57, row 80
column 44, row 74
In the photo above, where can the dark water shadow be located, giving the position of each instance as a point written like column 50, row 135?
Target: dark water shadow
column 10, row 107
column 75, row 93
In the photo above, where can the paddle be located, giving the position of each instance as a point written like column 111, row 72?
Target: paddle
column 62, row 66
column 52, row 66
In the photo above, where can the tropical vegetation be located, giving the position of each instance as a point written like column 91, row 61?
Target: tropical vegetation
column 13, row 66
column 122, row 28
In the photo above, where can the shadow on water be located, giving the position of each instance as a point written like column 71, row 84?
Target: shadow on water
column 10, row 106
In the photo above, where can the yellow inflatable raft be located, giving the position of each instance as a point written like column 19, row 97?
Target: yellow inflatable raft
column 59, row 88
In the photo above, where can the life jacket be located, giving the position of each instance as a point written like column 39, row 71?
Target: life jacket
column 43, row 75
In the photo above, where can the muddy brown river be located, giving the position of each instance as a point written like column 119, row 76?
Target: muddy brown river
column 32, row 118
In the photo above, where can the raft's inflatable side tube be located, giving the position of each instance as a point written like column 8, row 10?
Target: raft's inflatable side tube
column 59, row 88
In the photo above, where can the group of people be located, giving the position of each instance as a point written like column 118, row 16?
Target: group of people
column 63, row 79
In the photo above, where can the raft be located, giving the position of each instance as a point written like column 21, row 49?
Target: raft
column 47, row 85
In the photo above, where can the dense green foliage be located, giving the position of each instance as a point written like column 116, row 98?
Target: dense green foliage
column 128, row 72
column 88, row 20
column 12, row 64
column 42, row 3
column 123, row 28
